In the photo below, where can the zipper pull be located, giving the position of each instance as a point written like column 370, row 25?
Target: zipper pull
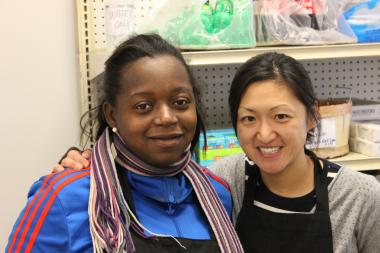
column 171, row 205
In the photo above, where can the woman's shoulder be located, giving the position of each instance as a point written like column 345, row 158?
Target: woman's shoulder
column 356, row 184
column 229, row 165
column 66, row 179
column 56, row 209
column 63, row 187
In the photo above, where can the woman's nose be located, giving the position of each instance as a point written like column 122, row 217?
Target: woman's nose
column 165, row 116
column 265, row 133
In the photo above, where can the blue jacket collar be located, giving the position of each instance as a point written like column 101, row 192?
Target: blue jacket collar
column 171, row 190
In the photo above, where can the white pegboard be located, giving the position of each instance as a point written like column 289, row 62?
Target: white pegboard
column 362, row 75
column 97, row 25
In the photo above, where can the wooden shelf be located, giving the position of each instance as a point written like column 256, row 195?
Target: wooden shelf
column 196, row 58
column 358, row 162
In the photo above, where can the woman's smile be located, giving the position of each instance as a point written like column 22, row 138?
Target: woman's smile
column 167, row 140
column 269, row 152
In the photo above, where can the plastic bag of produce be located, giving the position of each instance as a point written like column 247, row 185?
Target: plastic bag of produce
column 300, row 22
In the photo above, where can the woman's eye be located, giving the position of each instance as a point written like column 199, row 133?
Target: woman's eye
column 281, row 117
column 248, row 118
column 143, row 106
column 181, row 102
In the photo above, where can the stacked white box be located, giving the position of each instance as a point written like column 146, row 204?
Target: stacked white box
column 365, row 138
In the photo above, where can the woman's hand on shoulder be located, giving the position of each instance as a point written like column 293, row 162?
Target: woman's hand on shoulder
column 74, row 159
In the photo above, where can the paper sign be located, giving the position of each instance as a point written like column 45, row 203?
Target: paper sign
column 327, row 138
column 120, row 19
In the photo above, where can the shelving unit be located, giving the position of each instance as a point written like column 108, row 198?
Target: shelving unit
column 349, row 65
column 358, row 162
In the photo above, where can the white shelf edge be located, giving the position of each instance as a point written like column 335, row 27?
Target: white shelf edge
column 358, row 162
column 235, row 56
column 297, row 52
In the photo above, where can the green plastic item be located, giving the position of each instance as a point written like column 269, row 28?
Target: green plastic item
column 215, row 20
column 199, row 25
column 206, row 17
column 224, row 11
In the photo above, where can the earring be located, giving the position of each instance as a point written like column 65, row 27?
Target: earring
column 114, row 129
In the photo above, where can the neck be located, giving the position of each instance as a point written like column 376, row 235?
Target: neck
column 296, row 180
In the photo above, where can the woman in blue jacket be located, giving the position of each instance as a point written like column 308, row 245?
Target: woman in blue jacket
column 142, row 192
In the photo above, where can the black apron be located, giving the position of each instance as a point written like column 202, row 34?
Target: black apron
column 262, row 231
column 164, row 244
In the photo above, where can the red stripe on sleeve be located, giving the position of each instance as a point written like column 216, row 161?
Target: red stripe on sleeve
column 47, row 207
column 36, row 208
column 216, row 178
column 29, row 206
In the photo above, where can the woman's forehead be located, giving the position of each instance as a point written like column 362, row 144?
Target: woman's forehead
column 269, row 95
column 262, row 90
column 149, row 74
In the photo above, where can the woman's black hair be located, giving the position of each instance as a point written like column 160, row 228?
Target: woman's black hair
column 131, row 50
column 273, row 66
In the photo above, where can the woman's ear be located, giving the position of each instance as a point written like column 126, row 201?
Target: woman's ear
column 109, row 114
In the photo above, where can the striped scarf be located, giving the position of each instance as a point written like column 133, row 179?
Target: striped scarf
column 110, row 216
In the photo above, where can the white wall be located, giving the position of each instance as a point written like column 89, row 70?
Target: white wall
column 39, row 100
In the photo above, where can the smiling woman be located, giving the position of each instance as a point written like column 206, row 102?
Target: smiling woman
column 286, row 199
column 143, row 193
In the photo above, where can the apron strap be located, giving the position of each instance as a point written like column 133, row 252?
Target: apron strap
column 320, row 183
column 252, row 175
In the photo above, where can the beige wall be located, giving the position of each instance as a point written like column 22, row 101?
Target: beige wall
column 39, row 101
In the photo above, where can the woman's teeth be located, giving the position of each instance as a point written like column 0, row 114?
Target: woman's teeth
column 269, row 150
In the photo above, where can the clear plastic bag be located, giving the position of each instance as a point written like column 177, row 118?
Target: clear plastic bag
column 300, row 22
column 364, row 19
column 200, row 24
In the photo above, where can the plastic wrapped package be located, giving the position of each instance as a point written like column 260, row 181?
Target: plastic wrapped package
column 365, row 147
column 301, row 22
column 201, row 24
column 366, row 130
column 364, row 19
column 345, row 5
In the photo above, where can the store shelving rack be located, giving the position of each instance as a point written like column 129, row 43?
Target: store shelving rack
column 356, row 66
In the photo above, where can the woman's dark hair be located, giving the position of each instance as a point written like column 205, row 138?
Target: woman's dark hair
column 131, row 50
column 273, row 66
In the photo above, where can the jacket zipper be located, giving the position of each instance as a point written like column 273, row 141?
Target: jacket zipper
column 171, row 208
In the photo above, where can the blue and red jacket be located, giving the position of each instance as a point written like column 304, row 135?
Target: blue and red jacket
column 55, row 218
